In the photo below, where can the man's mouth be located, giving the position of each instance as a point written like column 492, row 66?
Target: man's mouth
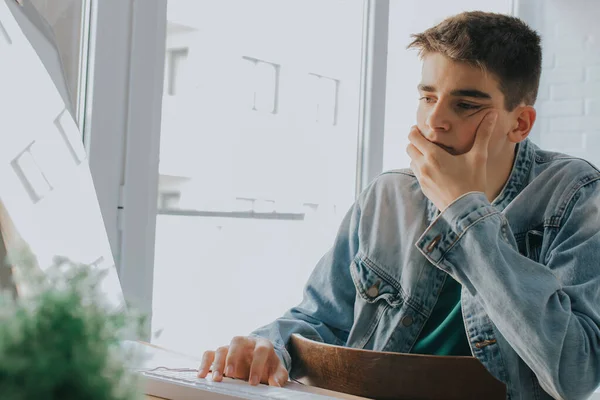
column 447, row 148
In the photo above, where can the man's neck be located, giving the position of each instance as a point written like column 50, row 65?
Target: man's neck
column 498, row 175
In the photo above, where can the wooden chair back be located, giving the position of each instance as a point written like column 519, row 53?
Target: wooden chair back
column 385, row 375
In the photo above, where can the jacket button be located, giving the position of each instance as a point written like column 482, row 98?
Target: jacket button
column 433, row 243
column 407, row 320
column 373, row 290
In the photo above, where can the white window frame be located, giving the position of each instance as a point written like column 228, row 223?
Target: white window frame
column 369, row 160
column 123, row 143
column 127, row 53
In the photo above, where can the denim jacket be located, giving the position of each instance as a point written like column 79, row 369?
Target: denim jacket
column 528, row 263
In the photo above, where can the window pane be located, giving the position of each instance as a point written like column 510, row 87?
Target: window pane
column 65, row 17
column 257, row 159
column 404, row 66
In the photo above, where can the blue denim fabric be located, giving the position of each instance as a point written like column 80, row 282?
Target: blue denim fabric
column 529, row 265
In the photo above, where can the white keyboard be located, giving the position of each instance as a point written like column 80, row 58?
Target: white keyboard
column 187, row 386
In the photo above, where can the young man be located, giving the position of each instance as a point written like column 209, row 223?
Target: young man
column 506, row 272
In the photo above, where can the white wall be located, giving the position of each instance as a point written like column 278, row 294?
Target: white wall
column 569, row 97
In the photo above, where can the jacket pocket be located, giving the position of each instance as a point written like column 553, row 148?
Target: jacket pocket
column 376, row 298
column 372, row 286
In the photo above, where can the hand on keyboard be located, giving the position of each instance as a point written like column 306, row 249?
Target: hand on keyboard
column 248, row 358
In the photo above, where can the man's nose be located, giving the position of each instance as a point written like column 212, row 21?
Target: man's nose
column 438, row 120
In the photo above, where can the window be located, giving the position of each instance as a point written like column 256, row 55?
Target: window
column 70, row 23
column 258, row 160
column 325, row 98
column 262, row 83
column 174, row 71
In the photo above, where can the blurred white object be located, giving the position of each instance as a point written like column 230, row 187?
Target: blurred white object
column 47, row 190
column 39, row 33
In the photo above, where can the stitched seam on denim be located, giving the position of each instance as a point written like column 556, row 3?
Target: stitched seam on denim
column 449, row 226
column 541, row 160
column 399, row 329
column 421, row 308
column 519, row 176
column 522, row 233
column 459, row 198
column 389, row 279
column 491, row 211
column 568, row 197
column 464, row 319
column 460, row 217
column 375, row 321
column 416, row 337
column 394, row 282
column 535, row 384
column 355, row 279
column 358, row 283
column 415, row 305
column 381, row 309
column 552, row 222
column 503, row 373
column 463, row 233
column 399, row 172
column 437, row 296
column 581, row 184
column 405, row 297
column 545, row 161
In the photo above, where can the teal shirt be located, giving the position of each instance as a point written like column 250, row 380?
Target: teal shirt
column 444, row 332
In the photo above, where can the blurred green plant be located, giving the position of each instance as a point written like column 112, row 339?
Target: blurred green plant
column 62, row 341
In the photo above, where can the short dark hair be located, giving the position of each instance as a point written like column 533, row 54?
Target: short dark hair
column 500, row 44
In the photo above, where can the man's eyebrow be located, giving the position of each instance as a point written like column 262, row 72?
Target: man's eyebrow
column 458, row 92
column 470, row 93
column 425, row 88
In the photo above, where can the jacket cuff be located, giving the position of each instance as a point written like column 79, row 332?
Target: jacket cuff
column 285, row 357
column 443, row 233
column 280, row 350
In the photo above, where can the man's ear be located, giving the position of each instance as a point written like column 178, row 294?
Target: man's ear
column 524, row 119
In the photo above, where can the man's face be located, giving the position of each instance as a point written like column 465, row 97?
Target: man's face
column 454, row 98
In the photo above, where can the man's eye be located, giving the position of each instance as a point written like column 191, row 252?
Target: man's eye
column 467, row 106
column 428, row 100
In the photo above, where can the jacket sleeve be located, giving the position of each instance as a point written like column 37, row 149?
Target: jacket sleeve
column 326, row 312
column 548, row 312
